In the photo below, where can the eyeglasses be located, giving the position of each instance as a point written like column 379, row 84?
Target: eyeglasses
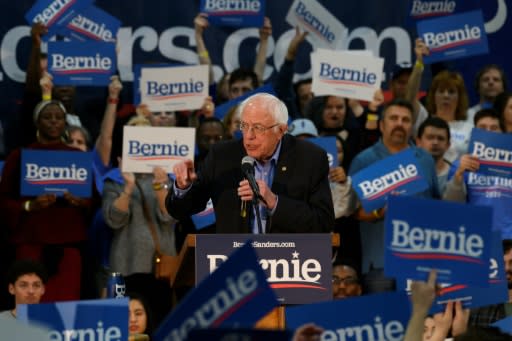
column 350, row 280
column 258, row 129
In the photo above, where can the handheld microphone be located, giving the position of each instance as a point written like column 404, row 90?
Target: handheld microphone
column 248, row 170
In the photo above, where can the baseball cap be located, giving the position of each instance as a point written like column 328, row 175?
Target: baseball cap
column 401, row 68
column 302, row 126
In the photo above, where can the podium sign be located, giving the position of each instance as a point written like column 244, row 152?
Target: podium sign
column 298, row 266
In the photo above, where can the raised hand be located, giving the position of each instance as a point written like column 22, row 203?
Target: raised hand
column 295, row 42
column 420, row 49
column 200, row 23
column 115, row 87
column 185, row 173
column 424, row 293
column 266, row 29
column 46, row 83
column 38, row 30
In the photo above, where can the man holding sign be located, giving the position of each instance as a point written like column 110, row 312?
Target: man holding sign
column 396, row 127
column 289, row 179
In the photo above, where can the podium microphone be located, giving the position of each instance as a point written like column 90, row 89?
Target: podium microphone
column 248, row 170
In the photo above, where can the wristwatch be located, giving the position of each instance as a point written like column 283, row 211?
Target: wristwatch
column 161, row 185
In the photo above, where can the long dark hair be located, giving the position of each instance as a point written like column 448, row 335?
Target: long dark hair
column 150, row 323
column 500, row 103
column 315, row 112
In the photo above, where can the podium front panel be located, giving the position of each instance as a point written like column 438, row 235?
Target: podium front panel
column 298, row 266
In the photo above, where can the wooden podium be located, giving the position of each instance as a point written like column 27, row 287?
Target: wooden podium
column 185, row 277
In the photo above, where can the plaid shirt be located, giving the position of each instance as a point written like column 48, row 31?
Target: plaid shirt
column 485, row 316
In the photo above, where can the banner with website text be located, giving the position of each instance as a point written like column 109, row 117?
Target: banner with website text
column 163, row 32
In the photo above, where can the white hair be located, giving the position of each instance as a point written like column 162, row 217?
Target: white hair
column 272, row 105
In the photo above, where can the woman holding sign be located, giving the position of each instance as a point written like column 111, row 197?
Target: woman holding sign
column 134, row 208
column 447, row 99
column 47, row 227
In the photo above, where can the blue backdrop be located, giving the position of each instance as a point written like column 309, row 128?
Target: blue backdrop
column 162, row 31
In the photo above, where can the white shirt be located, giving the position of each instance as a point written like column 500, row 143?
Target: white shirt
column 460, row 133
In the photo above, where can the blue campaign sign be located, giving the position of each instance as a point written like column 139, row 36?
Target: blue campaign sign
column 398, row 174
column 423, row 9
column 56, row 172
column 204, row 218
column 329, row 145
column 92, row 24
column 297, row 266
column 223, row 109
column 55, row 13
column 82, row 63
column 493, row 150
column 223, row 334
column 105, row 319
column 504, row 325
column 424, row 234
column 237, row 13
column 235, row 295
column 366, row 317
column 474, row 297
column 454, row 37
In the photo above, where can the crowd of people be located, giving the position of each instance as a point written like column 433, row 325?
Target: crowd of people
column 74, row 243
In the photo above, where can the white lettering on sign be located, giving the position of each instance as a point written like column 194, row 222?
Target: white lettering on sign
column 418, row 239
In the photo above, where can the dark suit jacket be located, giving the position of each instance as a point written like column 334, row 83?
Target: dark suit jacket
column 300, row 181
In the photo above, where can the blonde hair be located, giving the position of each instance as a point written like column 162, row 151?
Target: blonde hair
column 138, row 120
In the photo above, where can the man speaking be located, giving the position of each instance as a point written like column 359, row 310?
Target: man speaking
column 291, row 178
